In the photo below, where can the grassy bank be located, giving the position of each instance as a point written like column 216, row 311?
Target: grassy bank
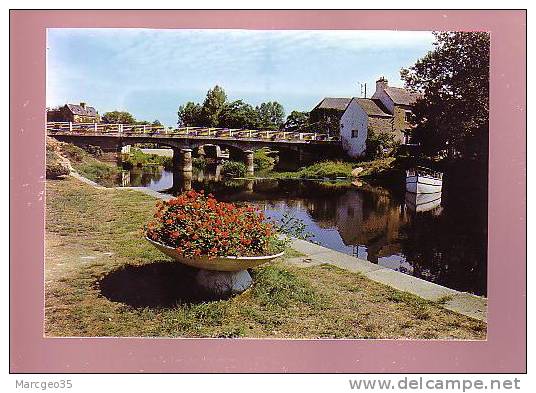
column 319, row 170
column 137, row 158
column 374, row 169
column 103, row 279
column 86, row 164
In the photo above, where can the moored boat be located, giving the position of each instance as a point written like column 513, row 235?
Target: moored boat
column 423, row 181
column 420, row 203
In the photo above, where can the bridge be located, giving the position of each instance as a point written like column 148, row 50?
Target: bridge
column 111, row 138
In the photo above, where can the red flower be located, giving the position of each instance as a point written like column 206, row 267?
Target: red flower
column 196, row 225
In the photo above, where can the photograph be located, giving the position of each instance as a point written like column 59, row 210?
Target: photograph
column 284, row 184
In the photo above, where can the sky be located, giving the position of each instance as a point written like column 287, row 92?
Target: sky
column 150, row 72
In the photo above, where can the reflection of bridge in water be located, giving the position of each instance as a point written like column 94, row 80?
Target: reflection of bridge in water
column 111, row 138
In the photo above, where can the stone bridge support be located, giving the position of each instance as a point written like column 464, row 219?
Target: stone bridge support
column 182, row 160
column 248, row 160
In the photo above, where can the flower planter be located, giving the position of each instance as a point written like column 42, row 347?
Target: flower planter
column 220, row 276
column 221, row 264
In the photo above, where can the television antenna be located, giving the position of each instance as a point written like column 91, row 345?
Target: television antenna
column 363, row 89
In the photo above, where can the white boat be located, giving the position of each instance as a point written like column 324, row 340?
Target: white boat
column 423, row 181
column 419, row 203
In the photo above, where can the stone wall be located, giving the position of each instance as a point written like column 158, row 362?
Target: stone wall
column 400, row 125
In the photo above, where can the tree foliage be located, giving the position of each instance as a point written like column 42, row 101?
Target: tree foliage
column 212, row 106
column 378, row 142
column 190, row 115
column 216, row 111
column 118, row 117
column 297, row 121
column 453, row 114
column 270, row 115
column 238, row 114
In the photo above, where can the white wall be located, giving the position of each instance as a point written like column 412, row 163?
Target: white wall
column 385, row 99
column 354, row 118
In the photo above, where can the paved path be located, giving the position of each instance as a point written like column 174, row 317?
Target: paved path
column 460, row 302
column 153, row 193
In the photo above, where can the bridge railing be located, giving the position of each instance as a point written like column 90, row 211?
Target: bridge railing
column 232, row 133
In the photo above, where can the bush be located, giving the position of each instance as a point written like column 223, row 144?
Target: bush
column 198, row 225
column 88, row 166
column 137, row 158
column 234, row 169
column 199, row 163
column 73, row 153
column 55, row 168
column 262, row 161
column 378, row 142
column 99, row 172
column 55, row 165
column 93, row 150
column 327, row 170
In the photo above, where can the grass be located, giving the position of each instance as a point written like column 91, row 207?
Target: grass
column 330, row 170
column 137, row 158
column 103, row 279
column 319, row 170
column 88, row 166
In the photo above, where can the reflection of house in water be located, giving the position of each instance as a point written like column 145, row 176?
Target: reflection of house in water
column 371, row 219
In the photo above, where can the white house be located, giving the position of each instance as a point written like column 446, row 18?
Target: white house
column 352, row 118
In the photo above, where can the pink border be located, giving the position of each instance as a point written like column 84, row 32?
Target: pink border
column 505, row 349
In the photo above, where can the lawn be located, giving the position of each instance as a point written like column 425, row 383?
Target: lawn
column 103, row 279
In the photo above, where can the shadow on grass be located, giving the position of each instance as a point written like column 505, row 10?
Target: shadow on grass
column 161, row 284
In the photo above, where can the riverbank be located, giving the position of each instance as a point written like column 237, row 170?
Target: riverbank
column 383, row 171
column 103, row 279
column 86, row 164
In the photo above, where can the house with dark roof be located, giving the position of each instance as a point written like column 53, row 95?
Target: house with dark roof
column 352, row 118
column 80, row 113
column 398, row 102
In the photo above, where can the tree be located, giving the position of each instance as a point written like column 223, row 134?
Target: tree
column 238, row 114
column 453, row 113
column 297, row 121
column 156, row 123
column 189, row 115
column 377, row 142
column 117, row 117
column 212, row 106
column 271, row 115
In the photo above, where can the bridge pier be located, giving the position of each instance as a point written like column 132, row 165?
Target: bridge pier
column 182, row 181
column 248, row 160
column 182, row 160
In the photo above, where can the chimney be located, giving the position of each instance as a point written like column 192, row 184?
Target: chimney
column 381, row 84
column 83, row 105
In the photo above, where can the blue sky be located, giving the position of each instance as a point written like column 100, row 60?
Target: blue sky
column 151, row 72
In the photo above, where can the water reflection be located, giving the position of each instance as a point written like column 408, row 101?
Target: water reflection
column 440, row 238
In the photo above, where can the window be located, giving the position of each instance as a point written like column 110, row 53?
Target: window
column 407, row 116
column 355, row 133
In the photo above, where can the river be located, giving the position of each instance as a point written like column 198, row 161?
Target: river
column 446, row 244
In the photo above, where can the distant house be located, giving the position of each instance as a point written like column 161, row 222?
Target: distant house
column 351, row 118
column 74, row 113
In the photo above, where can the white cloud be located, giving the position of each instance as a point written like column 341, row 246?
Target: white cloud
column 116, row 63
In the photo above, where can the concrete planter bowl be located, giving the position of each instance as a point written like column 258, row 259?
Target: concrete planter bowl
column 220, row 276
column 221, row 264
